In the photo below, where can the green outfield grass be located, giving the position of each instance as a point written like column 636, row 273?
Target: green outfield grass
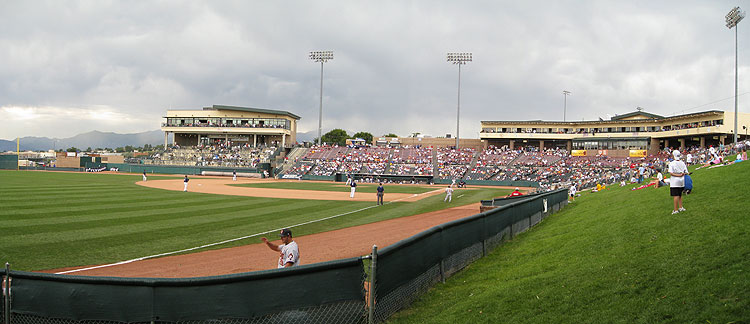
column 342, row 187
column 616, row 256
column 53, row 219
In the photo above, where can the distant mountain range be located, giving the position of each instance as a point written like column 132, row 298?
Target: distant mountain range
column 97, row 139
column 94, row 139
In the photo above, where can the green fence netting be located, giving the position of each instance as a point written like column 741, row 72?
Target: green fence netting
column 306, row 289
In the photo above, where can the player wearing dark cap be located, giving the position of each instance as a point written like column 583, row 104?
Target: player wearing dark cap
column 289, row 256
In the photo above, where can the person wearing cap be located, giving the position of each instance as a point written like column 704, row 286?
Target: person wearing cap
column 515, row 193
column 353, row 185
column 572, row 192
column 380, row 193
column 289, row 251
column 677, row 170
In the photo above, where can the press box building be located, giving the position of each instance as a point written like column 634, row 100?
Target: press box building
column 241, row 125
column 634, row 134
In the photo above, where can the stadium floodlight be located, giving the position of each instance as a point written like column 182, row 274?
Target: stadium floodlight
column 733, row 18
column 566, row 93
column 459, row 59
column 322, row 57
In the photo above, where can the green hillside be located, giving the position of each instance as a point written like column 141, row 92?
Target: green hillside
column 616, row 256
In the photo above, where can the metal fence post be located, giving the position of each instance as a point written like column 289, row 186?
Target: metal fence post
column 371, row 293
column 6, row 311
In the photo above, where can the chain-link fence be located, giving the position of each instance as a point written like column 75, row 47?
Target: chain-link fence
column 330, row 292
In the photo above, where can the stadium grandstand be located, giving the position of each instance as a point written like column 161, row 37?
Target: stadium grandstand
column 548, row 154
column 633, row 134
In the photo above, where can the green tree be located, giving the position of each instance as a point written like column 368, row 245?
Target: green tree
column 365, row 136
column 336, row 136
column 88, row 149
column 72, row 149
column 390, row 135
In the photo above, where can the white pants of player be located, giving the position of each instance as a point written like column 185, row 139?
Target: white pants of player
column 185, row 187
column 448, row 197
column 351, row 195
column 144, row 178
column 234, row 178
column 348, row 181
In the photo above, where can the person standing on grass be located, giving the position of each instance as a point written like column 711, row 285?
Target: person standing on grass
column 354, row 188
column 448, row 194
column 572, row 193
column 185, row 182
column 678, row 170
column 381, row 191
column 234, row 175
column 144, row 176
column 289, row 251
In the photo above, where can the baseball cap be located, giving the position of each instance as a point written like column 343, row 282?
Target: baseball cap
column 285, row 232
column 516, row 188
column 676, row 154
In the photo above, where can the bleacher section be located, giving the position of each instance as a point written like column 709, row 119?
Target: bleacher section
column 552, row 167
column 217, row 156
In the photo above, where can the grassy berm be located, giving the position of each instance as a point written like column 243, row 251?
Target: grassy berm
column 616, row 256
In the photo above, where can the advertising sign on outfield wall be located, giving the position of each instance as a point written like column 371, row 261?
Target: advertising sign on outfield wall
column 637, row 153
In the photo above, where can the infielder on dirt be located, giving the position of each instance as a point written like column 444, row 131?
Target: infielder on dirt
column 289, row 256
column 354, row 188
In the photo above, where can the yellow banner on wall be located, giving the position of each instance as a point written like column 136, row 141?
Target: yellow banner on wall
column 578, row 153
column 637, row 153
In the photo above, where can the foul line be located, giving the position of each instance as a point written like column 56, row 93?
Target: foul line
column 234, row 239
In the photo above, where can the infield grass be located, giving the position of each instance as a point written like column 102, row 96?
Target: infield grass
column 51, row 220
column 342, row 187
column 616, row 256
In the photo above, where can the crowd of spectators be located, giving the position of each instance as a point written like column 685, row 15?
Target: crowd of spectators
column 551, row 168
column 220, row 154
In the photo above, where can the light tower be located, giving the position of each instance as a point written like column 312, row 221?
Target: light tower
column 322, row 57
column 732, row 19
column 566, row 93
column 459, row 59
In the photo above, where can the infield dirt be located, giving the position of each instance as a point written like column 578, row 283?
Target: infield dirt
column 326, row 246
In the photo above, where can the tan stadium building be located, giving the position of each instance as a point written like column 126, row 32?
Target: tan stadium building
column 240, row 125
column 633, row 134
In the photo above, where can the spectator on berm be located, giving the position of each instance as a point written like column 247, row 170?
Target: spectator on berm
column 677, row 170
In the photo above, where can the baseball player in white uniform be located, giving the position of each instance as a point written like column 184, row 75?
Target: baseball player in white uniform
column 354, row 188
column 185, row 181
column 144, row 175
column 234, row 175
column 448, row 194
column 289, row 256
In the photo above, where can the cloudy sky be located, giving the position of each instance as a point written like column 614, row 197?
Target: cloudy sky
column 68, row 67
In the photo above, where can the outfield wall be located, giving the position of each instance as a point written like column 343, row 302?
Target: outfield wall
column 8, row 162
column 355, row 290
column 167, row 169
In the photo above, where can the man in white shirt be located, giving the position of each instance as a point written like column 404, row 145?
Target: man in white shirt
column 572, row 193
column 289, row 256
column 678, row 170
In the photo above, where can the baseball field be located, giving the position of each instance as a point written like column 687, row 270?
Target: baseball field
column 53, row 220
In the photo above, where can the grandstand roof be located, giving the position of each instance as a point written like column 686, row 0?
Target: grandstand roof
column 250, row 109
column 625, row 118
column 637, row 115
